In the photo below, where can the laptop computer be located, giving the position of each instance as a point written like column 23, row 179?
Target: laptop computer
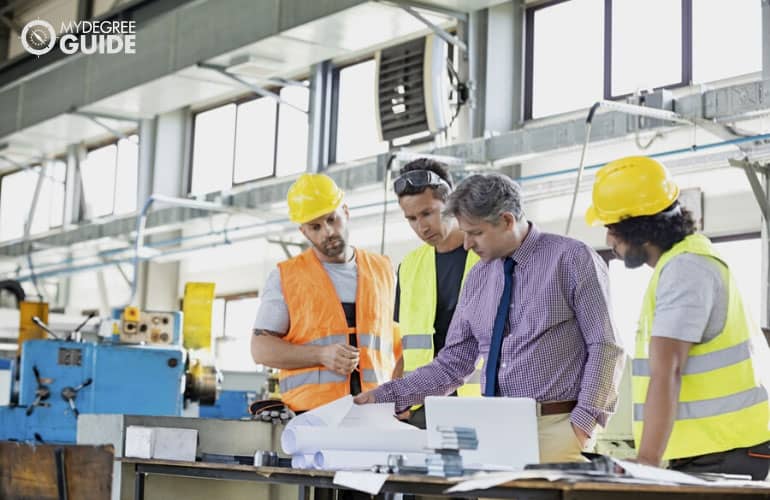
column 506, row 429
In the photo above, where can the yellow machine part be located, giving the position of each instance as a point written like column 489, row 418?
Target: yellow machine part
column 196, row 309
column 28, row 330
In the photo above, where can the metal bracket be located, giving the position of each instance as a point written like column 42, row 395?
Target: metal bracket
column 96, row 119
column 286, row 244
column 440, row 32
column 751, row 169
column 256, row 88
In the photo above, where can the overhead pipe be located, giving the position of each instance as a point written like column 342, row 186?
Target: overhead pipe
column 46, row 272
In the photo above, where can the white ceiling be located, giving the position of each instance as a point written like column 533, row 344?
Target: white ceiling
column 347, row 35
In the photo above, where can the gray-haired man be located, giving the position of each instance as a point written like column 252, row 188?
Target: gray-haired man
column 537, row 310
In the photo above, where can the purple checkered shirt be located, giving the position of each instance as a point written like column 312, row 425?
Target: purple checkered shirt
column 560, row 342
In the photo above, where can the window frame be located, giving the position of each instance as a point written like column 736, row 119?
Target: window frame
column 529, row 52
column 103, row 144
column 62, row 158
column 238, row 101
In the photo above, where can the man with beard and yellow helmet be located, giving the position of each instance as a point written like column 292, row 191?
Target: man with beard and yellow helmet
column 326, row 315
column 701, row 370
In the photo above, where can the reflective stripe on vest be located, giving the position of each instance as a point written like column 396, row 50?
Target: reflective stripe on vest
column 713, row 407
column 417, row 311
column 321, row 376
column 317, row 318
column 723, row 400
column 703, row 363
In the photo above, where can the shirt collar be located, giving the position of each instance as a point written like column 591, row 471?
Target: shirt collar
column 522, row 254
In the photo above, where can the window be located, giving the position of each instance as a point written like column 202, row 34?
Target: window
column 16, row 193
column 257, row 138
column 234, row 317
column 212, row 166
column 357, row 135
column 565, row 58
column 109, row 176
column 726, row 41
column 292, row 132
column 646, row 45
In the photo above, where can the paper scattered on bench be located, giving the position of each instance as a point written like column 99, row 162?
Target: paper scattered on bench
column 369, row 482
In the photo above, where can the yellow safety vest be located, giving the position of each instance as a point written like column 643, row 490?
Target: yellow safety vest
column 417, row 311
column 723, row 402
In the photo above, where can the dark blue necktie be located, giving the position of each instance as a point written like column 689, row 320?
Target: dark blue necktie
column 493, row 360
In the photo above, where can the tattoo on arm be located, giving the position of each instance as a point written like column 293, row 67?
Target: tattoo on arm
column 260, row 333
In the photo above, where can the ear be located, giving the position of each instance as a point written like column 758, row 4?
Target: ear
column 302, row 230
column 509, row 221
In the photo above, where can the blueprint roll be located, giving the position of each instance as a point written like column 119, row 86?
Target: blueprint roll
column 361, row 460
column 302, row 462
column 303, row 440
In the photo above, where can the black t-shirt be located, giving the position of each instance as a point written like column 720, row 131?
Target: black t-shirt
column 450, row 267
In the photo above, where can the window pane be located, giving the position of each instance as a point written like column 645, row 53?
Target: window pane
column 292, row 132
column 646, row 44
column 568, row 57
column 357, row 135
column 218, row 318
column 743, row 257
column 127, row 174
column 212, row 166
column 234, row 351
column 57, row 173
column 726, row 41
column 255, row 140
column 627, row 287
column 98, row 173
column 16, row 193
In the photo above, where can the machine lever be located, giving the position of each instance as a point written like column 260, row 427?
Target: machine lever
column 41, row 393
column 70, row 393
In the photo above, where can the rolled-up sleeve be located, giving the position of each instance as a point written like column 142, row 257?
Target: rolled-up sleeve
column 444, row 374
column 605, row 354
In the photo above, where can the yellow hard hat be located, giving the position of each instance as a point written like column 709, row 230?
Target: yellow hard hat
column 311, row 196
column 630, row 187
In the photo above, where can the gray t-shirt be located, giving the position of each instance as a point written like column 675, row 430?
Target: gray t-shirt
column 273, row 314
column 691, row 300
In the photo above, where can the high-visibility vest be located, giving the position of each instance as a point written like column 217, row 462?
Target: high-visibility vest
column 723, row 401
column 417, row 311
column 316, row 317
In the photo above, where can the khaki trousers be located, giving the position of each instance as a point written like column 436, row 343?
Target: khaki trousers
column 557, row 440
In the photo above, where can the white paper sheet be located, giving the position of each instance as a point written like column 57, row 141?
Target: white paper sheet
column 328, row 415
column 486, row 480
column 657, row 474
column 305, row 439
column 369, row 482
column 360, row 460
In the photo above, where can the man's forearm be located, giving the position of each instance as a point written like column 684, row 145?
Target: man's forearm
column 659, row 413
column 273, row 351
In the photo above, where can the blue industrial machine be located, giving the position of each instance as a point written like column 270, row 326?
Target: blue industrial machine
column 57, row 380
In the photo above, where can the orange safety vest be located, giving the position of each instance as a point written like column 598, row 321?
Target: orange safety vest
column 316, row 317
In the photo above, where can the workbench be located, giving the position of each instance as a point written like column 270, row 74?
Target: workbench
column 428, row 485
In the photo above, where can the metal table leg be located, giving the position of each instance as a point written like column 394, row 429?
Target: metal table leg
column 303, row 493
column 139, row 485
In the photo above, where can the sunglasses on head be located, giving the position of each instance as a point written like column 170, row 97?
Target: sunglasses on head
column 415, row 181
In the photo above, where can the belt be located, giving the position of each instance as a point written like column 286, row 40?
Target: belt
column 555, row 408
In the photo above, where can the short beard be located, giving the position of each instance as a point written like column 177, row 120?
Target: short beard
column 636, row 256
column 332, row 252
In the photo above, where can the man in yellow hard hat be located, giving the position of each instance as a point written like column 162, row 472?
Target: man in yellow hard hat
column 431, row 276
column 702, row 367
column 326, row 316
